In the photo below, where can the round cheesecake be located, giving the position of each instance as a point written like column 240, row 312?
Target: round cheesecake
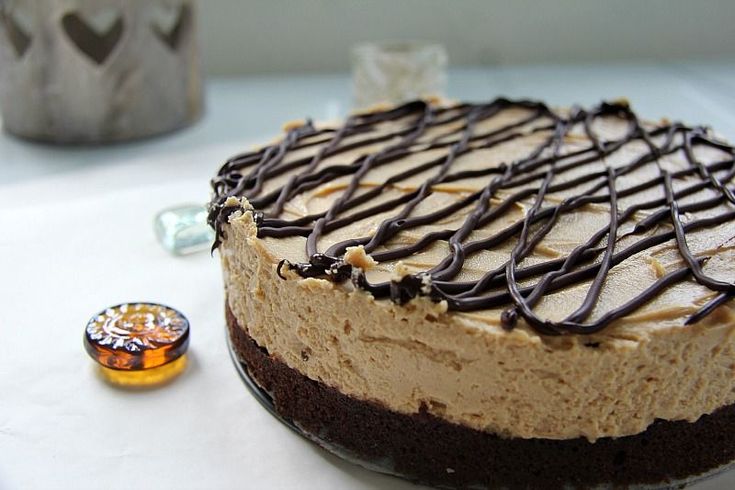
column 492, row 294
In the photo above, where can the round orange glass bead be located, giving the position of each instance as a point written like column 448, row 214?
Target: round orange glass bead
column 136, row 336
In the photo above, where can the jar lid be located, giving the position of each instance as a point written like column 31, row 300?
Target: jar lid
column 136, row 336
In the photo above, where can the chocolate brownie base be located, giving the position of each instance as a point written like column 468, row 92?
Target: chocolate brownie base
column 428, row 449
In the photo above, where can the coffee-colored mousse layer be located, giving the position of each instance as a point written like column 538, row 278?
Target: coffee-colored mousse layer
column 466, row 369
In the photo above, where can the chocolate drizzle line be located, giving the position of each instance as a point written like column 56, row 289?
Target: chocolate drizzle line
column 532, row 178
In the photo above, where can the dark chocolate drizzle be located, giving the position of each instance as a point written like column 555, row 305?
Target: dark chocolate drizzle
column 532, row 177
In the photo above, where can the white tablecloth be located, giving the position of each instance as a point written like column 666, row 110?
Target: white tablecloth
column 76, row 236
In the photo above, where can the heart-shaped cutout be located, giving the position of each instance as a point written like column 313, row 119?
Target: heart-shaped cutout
column 96, row 37
column 170, row 25
column 16, row 25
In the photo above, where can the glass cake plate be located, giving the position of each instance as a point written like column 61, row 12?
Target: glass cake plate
column 385, row 466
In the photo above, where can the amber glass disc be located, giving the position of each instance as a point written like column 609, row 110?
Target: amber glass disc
column 135, row 336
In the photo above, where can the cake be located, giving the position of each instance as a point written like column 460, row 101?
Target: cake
column 493, row 294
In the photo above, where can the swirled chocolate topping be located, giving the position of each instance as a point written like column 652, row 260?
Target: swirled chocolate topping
column 498, row 178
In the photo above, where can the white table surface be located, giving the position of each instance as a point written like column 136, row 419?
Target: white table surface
column 76, row 236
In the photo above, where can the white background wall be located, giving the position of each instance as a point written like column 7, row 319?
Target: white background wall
column 267, row 36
